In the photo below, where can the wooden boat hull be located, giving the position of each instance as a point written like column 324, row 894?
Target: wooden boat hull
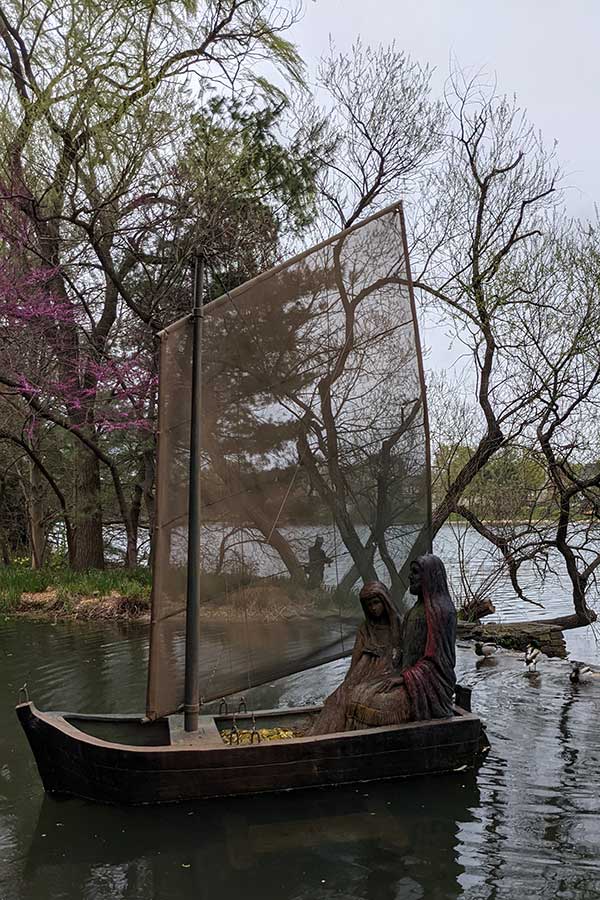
column 175, row 768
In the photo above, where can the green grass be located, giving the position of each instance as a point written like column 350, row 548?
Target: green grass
column 135, row 585
column 132, row 584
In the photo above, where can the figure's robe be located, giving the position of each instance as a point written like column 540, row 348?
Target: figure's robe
column 359, row 701
column 429, row 657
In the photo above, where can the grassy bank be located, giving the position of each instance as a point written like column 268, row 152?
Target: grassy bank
column 60, row 592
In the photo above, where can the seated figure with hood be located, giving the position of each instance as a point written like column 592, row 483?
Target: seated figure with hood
column 398, row 672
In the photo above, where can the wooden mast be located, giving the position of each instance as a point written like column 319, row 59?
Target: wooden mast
column 191, row 705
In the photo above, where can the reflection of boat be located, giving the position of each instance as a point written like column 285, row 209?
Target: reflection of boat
column 267, row 848
column 312, row 384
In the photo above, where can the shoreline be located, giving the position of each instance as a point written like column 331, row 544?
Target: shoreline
column 49, row 606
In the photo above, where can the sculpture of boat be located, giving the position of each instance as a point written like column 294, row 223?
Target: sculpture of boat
column 292, row 418
column 166, row 765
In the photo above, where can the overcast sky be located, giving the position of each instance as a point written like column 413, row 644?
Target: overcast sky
column 545, row 51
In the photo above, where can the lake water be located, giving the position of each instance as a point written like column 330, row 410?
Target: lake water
column 526, row 825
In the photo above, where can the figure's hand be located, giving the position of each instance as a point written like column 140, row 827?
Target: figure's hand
column 393, row 682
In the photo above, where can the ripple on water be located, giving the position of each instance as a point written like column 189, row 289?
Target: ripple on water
column 538, row 816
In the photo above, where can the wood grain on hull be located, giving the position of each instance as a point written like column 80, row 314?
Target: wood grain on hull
column 73, row 762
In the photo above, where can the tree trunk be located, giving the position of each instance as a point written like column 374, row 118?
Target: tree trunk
column 89, row 544
column 564, row 622
column 488, row 445
column 335, row 498
column 275, row 539
column 132, row 527
column 38, row 536
column 131, row 558
column 347, row 583
column 149, row 499
column 71, row 542
column 362, row 556
column 584, row 615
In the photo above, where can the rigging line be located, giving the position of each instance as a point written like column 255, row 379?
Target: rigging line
column 233, row 495
column 282, row 573
column 283, row 502
column 225, row 643
column 249, row 666
column 216, row 666
column 229, row 643
column 254, row 339
column 337, row 582
column 333, row 521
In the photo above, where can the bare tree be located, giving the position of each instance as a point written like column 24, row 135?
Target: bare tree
column 383, row 128
column 555, row 363
column 480, row 253
column 484, row 217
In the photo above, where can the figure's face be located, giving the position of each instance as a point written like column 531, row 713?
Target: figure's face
column 376, row 607
column 415, row 578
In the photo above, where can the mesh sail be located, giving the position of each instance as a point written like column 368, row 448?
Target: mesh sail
column 315, row 469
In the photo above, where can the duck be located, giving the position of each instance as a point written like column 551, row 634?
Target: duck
column 580, row 673
column 485, row 650
column 532, row 654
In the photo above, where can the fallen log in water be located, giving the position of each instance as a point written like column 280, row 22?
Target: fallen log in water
column 517, row 635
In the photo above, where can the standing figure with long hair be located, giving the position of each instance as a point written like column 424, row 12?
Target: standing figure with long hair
column 398, row 673
column 428, row 642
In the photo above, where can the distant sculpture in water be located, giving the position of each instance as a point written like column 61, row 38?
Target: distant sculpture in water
column 398, row 673
column 317, row 560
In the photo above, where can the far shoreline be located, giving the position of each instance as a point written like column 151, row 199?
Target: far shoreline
column 48, row 606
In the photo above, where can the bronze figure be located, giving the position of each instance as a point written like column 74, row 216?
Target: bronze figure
column 361, row 699
column 428, row 641
column 398, row 673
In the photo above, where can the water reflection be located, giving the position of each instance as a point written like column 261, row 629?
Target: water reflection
column 379, row 841
column 537, row 827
